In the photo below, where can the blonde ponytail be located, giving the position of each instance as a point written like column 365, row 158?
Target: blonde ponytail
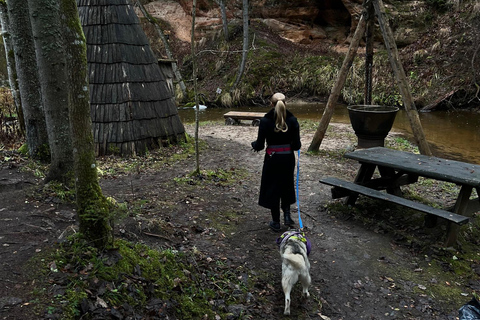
column 280, row 116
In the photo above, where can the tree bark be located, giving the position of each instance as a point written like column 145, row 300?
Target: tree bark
column 337, row 88
column 401, row 79
column 10, row 59
column 245, row 45
column 223, row 11
column 28, row 81
column 51, row 59
column 93, row 209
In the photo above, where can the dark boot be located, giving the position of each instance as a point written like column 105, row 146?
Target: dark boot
column 275, row 223
column 287, row 217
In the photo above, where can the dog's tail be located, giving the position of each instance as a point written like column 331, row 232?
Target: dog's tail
column 296, row 260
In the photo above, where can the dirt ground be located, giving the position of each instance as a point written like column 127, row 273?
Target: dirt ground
column 352, row 266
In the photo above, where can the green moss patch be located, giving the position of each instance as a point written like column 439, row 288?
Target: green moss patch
column 138, row 280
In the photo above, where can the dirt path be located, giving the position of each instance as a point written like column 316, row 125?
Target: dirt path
column 352, row 267
column 349, row 263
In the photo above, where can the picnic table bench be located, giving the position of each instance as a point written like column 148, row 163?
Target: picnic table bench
column 234, row 117
column 399, row 168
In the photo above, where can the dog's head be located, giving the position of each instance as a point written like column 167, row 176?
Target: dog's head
column 292, row 234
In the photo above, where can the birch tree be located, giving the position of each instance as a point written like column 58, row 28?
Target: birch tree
column 10, row 59
column 28, row 80
column 223, row 11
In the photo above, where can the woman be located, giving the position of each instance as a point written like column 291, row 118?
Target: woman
column 280, row 129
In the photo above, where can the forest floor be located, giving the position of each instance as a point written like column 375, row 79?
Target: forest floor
column 360, row 269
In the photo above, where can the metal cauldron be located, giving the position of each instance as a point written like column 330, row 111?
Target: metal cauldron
column 371, row 123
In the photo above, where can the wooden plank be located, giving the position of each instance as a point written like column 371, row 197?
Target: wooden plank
column 356, row 188
column 461, row 173
column 243, row 115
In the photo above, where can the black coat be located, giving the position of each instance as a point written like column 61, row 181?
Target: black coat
column 277, row 175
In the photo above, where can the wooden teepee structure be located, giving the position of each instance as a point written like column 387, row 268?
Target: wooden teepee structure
column 373, row 8
column 132, row 108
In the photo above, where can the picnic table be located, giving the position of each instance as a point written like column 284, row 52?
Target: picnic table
column 399, row 168
column 234, row 117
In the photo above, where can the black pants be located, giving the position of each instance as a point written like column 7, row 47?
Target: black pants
column 276, row 211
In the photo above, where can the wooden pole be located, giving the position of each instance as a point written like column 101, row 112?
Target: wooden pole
column 369, row 52
column 195, row 91
column 337, row 88
column 401, row 79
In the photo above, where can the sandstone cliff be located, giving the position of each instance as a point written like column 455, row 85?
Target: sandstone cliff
column 437, row 46
column 301, row 21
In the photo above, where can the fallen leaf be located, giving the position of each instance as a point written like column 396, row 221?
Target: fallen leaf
column 53, row 266
column 102, row 303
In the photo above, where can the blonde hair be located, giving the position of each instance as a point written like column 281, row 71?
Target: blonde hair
column 278, row 100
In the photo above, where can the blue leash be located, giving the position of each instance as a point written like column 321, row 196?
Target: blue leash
column 298, row 200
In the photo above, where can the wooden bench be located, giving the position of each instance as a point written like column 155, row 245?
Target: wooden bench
column 234, row 117
column 343, row 188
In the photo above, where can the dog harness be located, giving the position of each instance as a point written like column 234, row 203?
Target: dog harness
column 295, row 235
column 279, row 149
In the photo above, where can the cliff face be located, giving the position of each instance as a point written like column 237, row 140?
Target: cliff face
column 308, row 22
column 438, row 44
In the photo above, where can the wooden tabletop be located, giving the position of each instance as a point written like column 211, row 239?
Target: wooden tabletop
column 244, row 115
column 431, row 167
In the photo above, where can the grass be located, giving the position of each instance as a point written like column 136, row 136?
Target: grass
column 112, row 165
column 217, row 176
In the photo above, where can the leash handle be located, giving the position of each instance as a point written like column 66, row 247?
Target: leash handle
column 298, row 200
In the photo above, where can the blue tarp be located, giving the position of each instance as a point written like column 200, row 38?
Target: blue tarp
column 470, row 311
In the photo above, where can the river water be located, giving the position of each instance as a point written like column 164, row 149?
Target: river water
column 450, row 134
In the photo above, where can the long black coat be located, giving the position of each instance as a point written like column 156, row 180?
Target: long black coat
column 278, row 169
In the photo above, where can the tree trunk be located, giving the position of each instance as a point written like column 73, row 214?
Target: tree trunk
column 93, row 210
column 10, row 59
column 221, row 4
column 337, row 88
column 245, row 45
column 197, row 107
column 51, row 58
column 175, row 68
column 26, row 66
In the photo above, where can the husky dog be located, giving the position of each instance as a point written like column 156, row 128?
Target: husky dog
column 294, row 250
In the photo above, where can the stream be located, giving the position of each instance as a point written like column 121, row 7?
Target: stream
column 450, row 134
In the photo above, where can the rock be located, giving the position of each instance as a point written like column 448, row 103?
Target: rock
column 6, row 302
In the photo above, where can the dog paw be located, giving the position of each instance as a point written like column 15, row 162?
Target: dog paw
column 307, row 294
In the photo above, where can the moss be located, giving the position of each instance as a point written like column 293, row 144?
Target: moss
column 23, row 149
column 136, row 274
column 225, row 221
column 43, row 153
column 218, row 176
column 94, row 213
column 113, row 165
